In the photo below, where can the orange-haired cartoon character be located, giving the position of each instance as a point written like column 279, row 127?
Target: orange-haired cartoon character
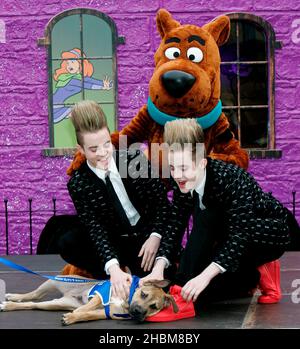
column 75, row 73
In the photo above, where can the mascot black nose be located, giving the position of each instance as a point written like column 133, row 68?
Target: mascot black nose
column 177, row 83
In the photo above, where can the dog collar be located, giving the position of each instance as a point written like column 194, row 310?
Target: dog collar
column 204, row 121
column 133, row 287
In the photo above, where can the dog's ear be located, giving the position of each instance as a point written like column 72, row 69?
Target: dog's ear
column 165, row 22
column 157, row 283
column 170, row 300
column 219, row 28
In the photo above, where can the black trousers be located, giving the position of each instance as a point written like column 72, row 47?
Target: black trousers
column 206, row 235
column 66, row 236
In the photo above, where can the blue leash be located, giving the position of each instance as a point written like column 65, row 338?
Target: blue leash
column 134, row 284
column 55, row 278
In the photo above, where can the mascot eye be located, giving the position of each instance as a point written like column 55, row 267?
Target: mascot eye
column 194, row 54
column 172, row 52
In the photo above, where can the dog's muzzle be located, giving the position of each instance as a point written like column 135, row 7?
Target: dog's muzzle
column 137, row 312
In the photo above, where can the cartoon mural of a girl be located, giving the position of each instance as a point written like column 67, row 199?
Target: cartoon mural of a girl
column 69, row 81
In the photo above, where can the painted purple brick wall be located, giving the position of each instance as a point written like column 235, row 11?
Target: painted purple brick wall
column 25, row 173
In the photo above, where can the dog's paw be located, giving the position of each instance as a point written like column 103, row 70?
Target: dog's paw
column 13, row 297
column 2, row 306
column 67, row 319
column 8, row 306
column 5, row 306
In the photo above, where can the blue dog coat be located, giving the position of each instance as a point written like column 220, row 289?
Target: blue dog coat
column 103, row 290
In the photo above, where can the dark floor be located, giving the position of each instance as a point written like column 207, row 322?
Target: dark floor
column 238, row 314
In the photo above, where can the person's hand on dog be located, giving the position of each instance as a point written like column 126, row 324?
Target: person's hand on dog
column 120, row 281
column 192, row 289
column 148, row 252
column 157, row 272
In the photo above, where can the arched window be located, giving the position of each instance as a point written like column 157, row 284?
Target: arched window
column 247, row 77
column 81, row 45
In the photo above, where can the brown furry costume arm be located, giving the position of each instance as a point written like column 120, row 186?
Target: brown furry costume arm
column 76, row 163
column 222, row 145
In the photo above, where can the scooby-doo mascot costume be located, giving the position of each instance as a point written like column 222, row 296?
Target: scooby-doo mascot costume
column 186, row 84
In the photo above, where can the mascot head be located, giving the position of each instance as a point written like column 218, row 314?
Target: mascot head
column 186, row 80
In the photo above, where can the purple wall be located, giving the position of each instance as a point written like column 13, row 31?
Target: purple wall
column 25, row 173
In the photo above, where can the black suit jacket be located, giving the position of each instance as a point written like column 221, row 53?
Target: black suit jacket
column 249, row 214
column 148, row 196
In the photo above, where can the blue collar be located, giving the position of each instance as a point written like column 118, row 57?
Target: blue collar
column 133, row 287
column 204, row 121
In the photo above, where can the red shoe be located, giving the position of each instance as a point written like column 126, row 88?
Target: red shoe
column 185, row 310
column 269, row 283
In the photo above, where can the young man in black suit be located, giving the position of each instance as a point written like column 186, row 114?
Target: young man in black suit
column 236, row 226
column 120, row 221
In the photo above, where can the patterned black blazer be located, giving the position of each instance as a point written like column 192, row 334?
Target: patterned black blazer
column 148, row 196
column 250, row 215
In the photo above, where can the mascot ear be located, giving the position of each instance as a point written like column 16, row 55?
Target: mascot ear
column 219, row 28
column 165, row 22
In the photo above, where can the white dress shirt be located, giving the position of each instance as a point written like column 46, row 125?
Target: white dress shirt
column 200, row 191
column 131, row 213
column 116, row 181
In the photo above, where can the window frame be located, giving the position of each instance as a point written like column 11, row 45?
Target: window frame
column 46, row 41
column 271, row 45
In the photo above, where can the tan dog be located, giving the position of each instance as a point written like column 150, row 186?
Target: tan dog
column 146, row 301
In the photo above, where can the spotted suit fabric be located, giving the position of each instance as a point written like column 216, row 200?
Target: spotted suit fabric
column 252, row 220
column 147, row 194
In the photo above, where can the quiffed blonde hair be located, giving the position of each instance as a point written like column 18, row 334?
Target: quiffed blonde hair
column 87, row 116
column 182, row 132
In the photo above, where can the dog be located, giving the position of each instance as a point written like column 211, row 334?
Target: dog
column 146, row 301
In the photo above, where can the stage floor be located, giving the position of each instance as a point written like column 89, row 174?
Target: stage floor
column 234, row 314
